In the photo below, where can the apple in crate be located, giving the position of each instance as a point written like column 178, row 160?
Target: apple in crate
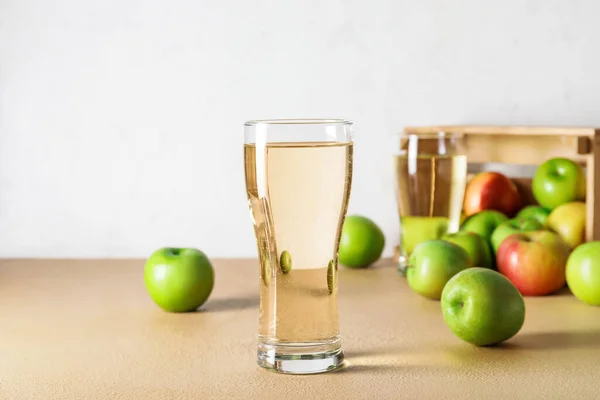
column 568, row 220
column 539, row 213
column 558, row 181
column 511, row 226
column 484, row 223
column 491, row 191
column 534, row 262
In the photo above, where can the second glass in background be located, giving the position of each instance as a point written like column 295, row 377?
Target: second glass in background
column 431, row 175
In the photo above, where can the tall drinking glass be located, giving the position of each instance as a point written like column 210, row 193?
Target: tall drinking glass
column 298, row 178
column 431, row 174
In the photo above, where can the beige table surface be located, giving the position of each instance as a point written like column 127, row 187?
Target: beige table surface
column 87, row 330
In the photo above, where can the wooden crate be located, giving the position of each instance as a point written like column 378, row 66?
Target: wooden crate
column 532, row 145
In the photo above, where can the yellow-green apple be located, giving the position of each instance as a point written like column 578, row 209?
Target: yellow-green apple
column 491, row 191
column 568, row 220
column 483, row 223
column 538, row 213
column 432, row 264
column 534, row 262
column 477, row 247
column 558, row 181
column 416, row 230
column 482, row 307
column 179, row 279
column 511, row 226
column 583, row 273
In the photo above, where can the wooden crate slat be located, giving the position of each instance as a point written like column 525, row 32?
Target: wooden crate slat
column 525, row 150
column 592, row 222
column 505, row 130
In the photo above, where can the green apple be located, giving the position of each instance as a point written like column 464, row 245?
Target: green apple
column 483, row 223
column 477, row 247
column 558, row 181
column 361, row 242
column 511, row 226
column 568, row 220
column 432, row 264
column 538, row 213
column 583, row 273
column 179, row 279
column 482, row 307
column 416, row 230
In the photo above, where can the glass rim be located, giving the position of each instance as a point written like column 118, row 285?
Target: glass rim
column 299, row 121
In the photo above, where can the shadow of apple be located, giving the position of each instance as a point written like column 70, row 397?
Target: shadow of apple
column 556, row 340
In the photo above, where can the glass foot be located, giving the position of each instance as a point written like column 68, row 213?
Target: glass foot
column 301, row 358
column 402, row 264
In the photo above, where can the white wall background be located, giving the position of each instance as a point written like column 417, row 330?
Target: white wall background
column 121, row 120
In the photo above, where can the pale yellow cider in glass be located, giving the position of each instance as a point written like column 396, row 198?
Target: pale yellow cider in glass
column 298, row 196
column 430, row 192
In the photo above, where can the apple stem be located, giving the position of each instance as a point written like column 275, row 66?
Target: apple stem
column 174, row 252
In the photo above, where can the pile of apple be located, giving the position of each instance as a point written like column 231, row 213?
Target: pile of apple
column 517, row 250
column 539, row 248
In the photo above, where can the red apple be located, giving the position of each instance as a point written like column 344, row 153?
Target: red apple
column 534, row 261
column 492, row 191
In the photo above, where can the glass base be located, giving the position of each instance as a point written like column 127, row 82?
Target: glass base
column 401, row 260
column 301, row 358
column 402, row 264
